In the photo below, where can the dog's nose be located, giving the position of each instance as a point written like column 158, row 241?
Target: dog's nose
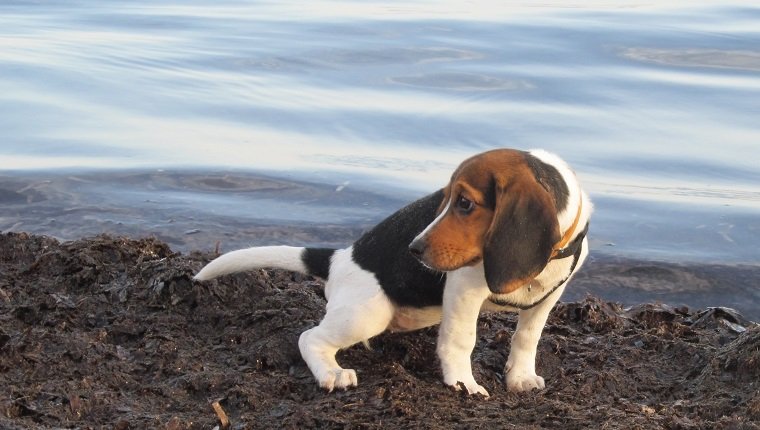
column 417, row 247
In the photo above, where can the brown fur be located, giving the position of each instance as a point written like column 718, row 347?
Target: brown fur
column 512, row 227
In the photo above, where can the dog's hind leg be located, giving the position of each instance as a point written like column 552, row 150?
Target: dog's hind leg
column 357, row 309
column 342, row 326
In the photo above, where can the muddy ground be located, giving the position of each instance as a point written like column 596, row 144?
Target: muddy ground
column 113, row 333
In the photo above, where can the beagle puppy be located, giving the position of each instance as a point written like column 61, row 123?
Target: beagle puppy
column 506, row 233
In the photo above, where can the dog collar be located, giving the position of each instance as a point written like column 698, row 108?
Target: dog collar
column 572, row 248
column 561, row 249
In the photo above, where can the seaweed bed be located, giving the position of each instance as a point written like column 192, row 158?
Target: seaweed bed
column 112, row 332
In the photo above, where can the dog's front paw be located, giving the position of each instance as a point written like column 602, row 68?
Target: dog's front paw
column 337, row 378
column 523, row 380
column 475, row 388
column 471, row 386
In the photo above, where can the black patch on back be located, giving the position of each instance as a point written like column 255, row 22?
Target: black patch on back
column 317, row 261
column 384, row 251
column 549, row 178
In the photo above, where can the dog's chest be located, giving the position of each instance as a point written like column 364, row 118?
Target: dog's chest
column 410, row 318
column 407, row 318
column 534, row 292
column 521, row 298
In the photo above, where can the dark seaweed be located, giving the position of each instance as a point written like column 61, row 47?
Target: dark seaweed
column 110, row 332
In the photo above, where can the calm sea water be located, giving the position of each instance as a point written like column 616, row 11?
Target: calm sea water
column 655, row 104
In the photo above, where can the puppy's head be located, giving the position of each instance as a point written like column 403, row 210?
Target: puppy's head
column 496, row 211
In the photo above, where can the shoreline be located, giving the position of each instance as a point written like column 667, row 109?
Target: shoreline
column 236, row 206
column 626, row 281
column 206, row 211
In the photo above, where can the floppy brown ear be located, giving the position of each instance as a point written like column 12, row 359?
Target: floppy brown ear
column 524, row 229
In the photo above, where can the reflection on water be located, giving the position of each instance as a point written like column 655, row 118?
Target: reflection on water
column 650, row 103
column 738, row 60
column 462, row 82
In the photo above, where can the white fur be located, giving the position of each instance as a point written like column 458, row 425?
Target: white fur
column 285, row 257
column 463, row 297
column 575, row 195
column 435, row 221
column 358, row 309
column 521, row 364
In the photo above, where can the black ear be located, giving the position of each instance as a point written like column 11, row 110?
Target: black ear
column 523, row 232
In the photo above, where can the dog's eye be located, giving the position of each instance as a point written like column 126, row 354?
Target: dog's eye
column 464, row 204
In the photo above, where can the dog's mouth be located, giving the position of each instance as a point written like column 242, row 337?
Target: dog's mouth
column 448, row 267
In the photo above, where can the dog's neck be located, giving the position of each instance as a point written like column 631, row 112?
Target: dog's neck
column 561, row 250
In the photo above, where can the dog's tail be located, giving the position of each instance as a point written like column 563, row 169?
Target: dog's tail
column 310, row 261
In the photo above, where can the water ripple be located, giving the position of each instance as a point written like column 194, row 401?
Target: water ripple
column 712, row 58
